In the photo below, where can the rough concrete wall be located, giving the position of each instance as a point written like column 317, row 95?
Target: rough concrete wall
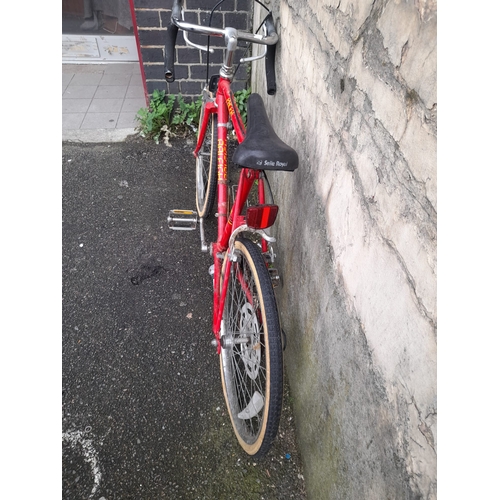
column 357, row 241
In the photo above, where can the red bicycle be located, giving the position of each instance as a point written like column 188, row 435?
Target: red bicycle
column 246, row 326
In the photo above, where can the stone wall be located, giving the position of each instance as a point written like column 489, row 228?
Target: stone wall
column 357, row 241
column 153, row 17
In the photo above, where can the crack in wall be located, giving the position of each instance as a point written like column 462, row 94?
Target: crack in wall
column 411, row 282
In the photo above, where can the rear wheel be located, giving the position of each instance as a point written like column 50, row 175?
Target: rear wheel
column 206, row 169
column 251, row 356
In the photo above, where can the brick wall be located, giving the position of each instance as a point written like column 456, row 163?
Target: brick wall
column 153, row 17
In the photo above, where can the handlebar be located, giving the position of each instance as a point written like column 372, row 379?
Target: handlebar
column 230, row 35
column 270, row 56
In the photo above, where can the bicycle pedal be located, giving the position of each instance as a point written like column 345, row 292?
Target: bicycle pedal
column 182, row 220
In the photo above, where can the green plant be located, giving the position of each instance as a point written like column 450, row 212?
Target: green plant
column 187, row 114
column 152, row 120
column 171, row 115
column 168, row 115
column 241, row 98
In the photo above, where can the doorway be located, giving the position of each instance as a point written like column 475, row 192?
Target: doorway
column 96, row 31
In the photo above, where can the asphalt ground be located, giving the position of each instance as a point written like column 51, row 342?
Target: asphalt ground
column 143, row 413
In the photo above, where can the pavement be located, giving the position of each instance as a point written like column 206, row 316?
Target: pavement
column 100, row 101
column 143, row 413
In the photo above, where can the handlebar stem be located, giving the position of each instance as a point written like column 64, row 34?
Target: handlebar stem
column 231, row 38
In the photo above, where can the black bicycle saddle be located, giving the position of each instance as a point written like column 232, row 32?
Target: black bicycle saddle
column 262, row 149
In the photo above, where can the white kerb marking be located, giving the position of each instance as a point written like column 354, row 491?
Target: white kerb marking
column 75, row 438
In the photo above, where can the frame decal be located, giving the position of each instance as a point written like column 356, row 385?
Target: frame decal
column 221, row 160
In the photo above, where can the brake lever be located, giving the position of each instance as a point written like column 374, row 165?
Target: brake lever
column 254, row 58
column 257, row 57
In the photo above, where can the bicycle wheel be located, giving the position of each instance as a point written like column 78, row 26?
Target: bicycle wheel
column 206, row 169
column 251, row 357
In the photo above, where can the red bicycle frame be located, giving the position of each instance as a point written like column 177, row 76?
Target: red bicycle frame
column 226, row 109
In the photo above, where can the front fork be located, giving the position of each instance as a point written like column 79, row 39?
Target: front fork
column 222, row 262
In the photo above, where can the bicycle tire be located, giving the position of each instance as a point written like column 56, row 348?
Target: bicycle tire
column 206, row 169
column 251, row 371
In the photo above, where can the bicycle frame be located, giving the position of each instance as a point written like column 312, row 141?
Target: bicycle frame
column 226, row 108
column 249, row 340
